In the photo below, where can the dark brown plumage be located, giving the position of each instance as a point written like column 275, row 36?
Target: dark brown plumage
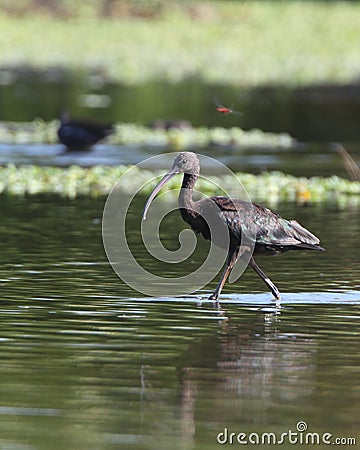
column 78, row 134
column 268, row 233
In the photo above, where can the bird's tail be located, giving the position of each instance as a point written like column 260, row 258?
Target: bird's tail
column 306, row 239
column 310, row 247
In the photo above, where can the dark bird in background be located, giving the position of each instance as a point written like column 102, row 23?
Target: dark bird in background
column 81, row 134
column 272, row 234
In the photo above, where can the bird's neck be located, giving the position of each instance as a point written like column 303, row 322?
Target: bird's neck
column 185, row 197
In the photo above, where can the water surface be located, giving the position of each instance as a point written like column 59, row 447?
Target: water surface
column 305, row 160
column 87, row 363
column 311, row 113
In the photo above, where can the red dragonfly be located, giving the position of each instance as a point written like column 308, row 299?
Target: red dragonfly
column 225, row 110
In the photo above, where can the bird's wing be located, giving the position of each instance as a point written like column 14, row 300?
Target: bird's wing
column 262, row 224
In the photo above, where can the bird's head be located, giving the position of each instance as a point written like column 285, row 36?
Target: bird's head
column 185, row 162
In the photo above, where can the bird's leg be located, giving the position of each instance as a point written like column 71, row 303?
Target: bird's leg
column 275, row 291
column 230, row 261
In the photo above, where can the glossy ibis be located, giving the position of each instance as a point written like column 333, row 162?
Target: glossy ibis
column 271, row 233
column 81, row 134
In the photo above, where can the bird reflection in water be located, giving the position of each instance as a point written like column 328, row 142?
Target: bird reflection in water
column 235, row 374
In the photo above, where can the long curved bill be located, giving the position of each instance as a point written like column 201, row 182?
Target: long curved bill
column 167, row 177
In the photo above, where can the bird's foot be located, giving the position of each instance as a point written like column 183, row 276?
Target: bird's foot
column 215, row 296
column 277, row 299
column 275, row 292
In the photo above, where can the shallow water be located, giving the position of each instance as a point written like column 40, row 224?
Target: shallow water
column 315, row 115
column 87, row 363
column 311, row 113
column 306, row 160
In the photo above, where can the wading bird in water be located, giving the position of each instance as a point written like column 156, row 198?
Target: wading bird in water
column 271, row 233
column 78, row 134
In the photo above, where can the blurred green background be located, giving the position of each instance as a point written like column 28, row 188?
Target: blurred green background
column 289, row 66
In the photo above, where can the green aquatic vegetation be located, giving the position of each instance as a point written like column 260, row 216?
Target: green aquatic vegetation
column 39, row 131
column 33, row 132
column 271, row 188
